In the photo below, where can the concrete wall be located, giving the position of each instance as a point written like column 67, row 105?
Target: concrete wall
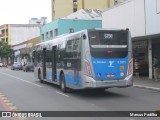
column 158, row 6
column 63, row 8
column 94, row 4
column 127, row 15
column 152, row 16
column 22, row 33
column 142, row 17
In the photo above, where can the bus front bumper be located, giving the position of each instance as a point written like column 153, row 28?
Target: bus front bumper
column 92, row 83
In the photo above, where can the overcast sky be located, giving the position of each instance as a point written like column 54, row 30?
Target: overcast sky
column 21, row 11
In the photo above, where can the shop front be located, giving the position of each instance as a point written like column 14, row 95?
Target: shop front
column 140, row 52
column 145, row 49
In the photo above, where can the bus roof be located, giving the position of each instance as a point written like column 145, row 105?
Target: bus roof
column 58, row 38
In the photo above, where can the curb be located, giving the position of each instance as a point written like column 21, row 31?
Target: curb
column 147, row 87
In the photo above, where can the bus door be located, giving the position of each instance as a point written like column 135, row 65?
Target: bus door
column 54, row 68
column 44, row 63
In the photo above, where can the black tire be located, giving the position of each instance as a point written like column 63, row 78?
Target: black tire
column 63, row 84
column 40, row 77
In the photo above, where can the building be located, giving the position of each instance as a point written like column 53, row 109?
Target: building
column 25, row 47
column 4, row 36
column 42, row 20
column 142, row 17
column 63, row 26
column 86, row 14
column 15, row 34
column 62, row 8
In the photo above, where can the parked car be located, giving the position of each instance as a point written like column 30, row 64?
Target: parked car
column 28, row 67
column 16, row 66
column 1, row 64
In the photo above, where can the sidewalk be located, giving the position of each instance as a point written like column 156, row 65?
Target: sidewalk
column 145, row 82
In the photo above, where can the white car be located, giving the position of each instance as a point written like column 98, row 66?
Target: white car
column 1, row 64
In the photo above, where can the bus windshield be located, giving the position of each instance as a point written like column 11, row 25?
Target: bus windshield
column 108, row 43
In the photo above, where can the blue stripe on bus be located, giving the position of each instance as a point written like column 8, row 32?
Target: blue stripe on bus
column 69, row 78
column 73, row 80
column 49, row 74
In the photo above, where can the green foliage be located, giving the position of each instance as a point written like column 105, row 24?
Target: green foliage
column 24, row 54
column 5, row 50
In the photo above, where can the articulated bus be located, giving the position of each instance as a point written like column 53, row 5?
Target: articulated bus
column 88, row 59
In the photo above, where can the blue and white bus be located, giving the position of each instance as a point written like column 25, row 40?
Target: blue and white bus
column 88, row 59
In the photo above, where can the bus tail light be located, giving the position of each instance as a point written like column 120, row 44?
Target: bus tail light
column 88, row 68
column 130, row 67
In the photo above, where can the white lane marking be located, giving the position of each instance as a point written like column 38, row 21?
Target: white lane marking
column 62, row 94
column 23, row 80
column 142, row 86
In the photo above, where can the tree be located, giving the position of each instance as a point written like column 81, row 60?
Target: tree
column 24, row 54
column 6, row 51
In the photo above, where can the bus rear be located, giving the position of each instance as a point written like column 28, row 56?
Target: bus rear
column 108, row 61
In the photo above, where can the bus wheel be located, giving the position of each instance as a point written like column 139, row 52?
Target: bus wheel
column 63, row 84
column 40, row 77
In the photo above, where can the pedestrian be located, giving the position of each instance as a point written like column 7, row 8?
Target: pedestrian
column 137, row 67
column 156, row 66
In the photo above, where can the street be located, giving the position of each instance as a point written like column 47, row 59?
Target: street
column 28, row 94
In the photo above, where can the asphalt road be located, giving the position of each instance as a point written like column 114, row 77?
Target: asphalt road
column 28, row 94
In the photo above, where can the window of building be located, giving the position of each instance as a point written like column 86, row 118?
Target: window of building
column 75, row 5
column 3, row 31
column 115, row 2
column 3, row 40
column 71, row 30
column 7, row 40
column 42, row 37
column 56, row 32
column 6, row 32
column 46, row 35
column 74, row 9
column 51, row 34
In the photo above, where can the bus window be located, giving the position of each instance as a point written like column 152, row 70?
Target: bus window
column 73, row 48
column 112, row 44
column 48, row 58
